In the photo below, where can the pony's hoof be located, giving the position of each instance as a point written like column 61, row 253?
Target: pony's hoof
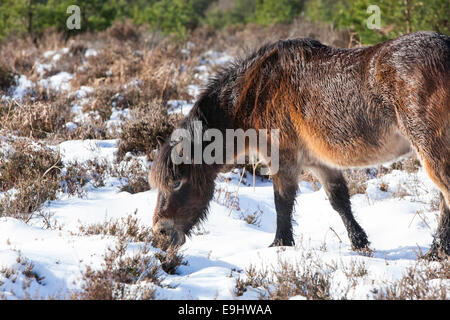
column 360, row 242
column 364, row 251
column 282, row 243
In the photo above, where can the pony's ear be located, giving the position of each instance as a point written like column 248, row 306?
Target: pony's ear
column 160, row 140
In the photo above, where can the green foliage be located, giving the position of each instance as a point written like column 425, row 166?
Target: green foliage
column 397, row 16
column 12, row 17
column 18, row 17
column 265, row 12
column 220, row 15
column 34, row 16
column 169, row 16
column 269, row 12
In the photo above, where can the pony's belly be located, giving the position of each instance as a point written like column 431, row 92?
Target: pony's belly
column 359, row 153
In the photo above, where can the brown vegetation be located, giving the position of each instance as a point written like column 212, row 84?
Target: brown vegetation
column 312, row 278
column 128, row 277
column 32, row 171
column 140, row 134
column 423, row 281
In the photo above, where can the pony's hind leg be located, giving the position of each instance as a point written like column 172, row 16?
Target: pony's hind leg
column 440, row 249
column 439, row 172
column 430, row 135
column 337, row 191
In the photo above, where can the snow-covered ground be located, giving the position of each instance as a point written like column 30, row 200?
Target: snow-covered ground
column 226, row 244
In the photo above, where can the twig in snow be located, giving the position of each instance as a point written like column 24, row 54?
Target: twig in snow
column 237, row 191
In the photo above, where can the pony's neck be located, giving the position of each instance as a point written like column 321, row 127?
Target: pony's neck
column 211, row 112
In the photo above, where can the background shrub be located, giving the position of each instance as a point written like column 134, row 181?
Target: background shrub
column 140, row 135
column 180, row 17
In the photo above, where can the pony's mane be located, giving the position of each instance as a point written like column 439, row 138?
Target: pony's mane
column 230, row 86
column 222, row 97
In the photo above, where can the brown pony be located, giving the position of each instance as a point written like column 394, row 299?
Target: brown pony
column 334, row 108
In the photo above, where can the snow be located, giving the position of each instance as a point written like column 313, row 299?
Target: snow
column 218, row 58
column 24, row 86
column 194, row 90
column 135, row 84
column 71, row 126
column 84, row 92
column 58, row 82
column 179, row 106
column 210, row 59
column 90, row 53
column 224, row 242
column 56, row 258
column 43, row 67
column 77, row 110
column 117, row 119
column 85, row 150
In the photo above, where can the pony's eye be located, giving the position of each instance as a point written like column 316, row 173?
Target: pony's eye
column 177, row 185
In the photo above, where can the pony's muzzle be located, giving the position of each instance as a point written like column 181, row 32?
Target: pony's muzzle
column 177, row 238
column 166, row 229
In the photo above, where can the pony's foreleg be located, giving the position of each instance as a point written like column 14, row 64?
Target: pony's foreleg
column 285, row 188
column 337, row 191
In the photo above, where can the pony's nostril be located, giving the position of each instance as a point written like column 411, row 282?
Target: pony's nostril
column 163, row 232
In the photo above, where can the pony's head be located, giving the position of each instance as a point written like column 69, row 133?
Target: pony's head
column 184, row 193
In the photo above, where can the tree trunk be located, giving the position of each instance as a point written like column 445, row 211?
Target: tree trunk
column 407, row 17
